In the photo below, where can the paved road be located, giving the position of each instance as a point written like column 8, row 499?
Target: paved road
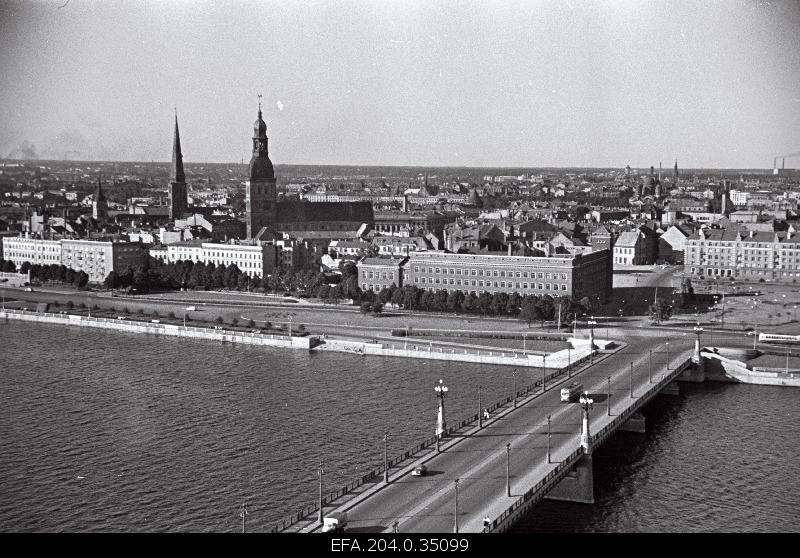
column 426, row 504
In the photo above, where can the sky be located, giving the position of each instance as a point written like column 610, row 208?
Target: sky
column 713, row 84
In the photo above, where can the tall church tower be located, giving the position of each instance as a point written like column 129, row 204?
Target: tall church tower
column 178, row 197
column 99, row 205
column 262, row 196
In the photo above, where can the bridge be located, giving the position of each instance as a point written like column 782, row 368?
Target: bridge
column 487, row 474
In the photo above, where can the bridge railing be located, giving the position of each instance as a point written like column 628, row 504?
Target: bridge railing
column 540, row 486
column 414, row 452
column 609, row 429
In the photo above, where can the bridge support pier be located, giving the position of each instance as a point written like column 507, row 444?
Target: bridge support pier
column 696, row 373
column 635, row 424
column 578, row 485
column 670, row 389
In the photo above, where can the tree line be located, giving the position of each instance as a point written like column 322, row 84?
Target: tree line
column 528, row 308
column 48, row 272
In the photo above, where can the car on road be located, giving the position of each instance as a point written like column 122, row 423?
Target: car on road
column 29, row 290
column 750, row 333
column 419, row 471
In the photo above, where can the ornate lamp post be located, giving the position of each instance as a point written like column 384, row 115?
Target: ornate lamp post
column 441, row 426
column 608, row 379
column 586, row 404
column 591, row 323
column 698, row 330
column 650, row 368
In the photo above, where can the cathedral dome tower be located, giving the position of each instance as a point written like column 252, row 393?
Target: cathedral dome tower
column 260, row 165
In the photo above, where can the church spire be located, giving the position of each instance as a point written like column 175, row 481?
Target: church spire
column 176, row 170
column 98, row 195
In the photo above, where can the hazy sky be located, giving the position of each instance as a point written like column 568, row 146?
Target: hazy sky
column 549, row 83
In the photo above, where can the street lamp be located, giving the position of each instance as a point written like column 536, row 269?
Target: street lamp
column 319, row 472
column 386, row 457
column 608, row 397
column 508, row 469
column 569, row 361
column 666, row 345
column 455, row 512
column 698, row 330
column 441, row 392
column 631, row 378
column 514, row 376
column 591, row 323
column 548, row 438
column 544, row 373
column 480, row 409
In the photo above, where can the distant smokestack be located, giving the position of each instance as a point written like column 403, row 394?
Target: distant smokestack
column 783, row 163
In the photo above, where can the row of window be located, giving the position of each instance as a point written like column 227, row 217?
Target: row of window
column 378, row 275
column 489, row 273
column 496, row 284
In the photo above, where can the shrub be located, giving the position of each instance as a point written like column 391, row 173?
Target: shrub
column 219, row 320
column 172, row 315
column 126, row 311
column 155, row 314
column 82, row 305
column 70, row 304
column 235, row 321
column 251, row 323
column 140, row 312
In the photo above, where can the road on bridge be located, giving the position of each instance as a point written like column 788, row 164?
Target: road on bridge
column 480, row 458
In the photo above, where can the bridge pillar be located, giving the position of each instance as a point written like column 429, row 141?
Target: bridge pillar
column 578, row 485
column 670, row 389
column 696, row 355
column 696, row 373
column 634, row 424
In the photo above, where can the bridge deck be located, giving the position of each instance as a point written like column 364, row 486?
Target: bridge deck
column 478, row 457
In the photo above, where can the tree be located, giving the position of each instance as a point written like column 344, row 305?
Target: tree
column 660, row 310
column 385, row 295
column 485, row 302
column 514, row 303
column 366, row 307
column 529, row 311
column 112, row 280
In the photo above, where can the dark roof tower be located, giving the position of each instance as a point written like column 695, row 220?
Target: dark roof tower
column 675, row 172
column 260, row 165
column 176, row 170
column 98, row 195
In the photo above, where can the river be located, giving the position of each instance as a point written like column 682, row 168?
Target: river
column 106, row 431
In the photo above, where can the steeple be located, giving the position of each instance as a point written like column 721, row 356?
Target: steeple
column 98, row 195
column 675, row 172
column 260, row 165
column 176, row 170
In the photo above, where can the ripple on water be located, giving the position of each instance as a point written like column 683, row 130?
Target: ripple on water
column 173, row 435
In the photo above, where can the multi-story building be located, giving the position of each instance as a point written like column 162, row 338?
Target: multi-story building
column 99, row 258
column 629, row 249
column 253, row 259
column 376, row 274
column 34, row 250
column 744, row 255
column 578, row 276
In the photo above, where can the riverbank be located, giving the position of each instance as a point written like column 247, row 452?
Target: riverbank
column 578, row 351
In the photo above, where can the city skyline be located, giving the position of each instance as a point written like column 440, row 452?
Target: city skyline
column 478, row 85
